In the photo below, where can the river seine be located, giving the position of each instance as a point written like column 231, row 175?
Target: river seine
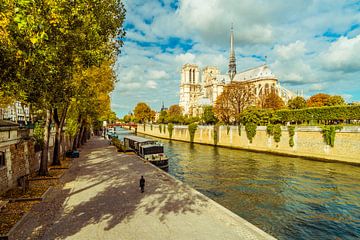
column 290, row 198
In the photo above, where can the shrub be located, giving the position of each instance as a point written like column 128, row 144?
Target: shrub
column 277, row 132
column 170, row 128
column 329, row 134
column 192, row 128
column 291, row 130
column 216, row 133
column 250, row 129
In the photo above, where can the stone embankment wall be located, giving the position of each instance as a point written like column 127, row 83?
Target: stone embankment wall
column 308, row 141
column 21, row 159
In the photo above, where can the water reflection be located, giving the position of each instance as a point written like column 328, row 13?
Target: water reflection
column 290, row 198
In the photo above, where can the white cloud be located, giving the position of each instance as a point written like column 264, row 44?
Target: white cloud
column 343, row 55
column 151, row 84
column 291, row 51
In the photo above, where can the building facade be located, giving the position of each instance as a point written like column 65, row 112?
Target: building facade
column 199, row 88
column 15, row 112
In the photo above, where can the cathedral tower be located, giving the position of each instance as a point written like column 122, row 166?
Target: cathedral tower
column 190, row 88
column 232, row 60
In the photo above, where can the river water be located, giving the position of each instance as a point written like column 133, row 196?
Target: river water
column 290, row 198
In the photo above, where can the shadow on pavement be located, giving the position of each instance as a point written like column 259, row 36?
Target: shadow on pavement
column 111, row 193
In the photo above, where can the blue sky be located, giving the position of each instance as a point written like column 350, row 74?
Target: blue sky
column 311, row 45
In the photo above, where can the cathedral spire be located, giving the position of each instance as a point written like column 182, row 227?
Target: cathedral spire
column 232, row 60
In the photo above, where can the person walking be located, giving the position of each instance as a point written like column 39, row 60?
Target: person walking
column 142, row 183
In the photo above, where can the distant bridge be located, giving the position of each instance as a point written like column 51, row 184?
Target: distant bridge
column 134, row 125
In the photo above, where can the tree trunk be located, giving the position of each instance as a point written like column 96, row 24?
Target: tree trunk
column 62, row 123
column 83, row 139
column 74, row 145
column 56, row 159
column 81, row 133
column 59, row 124
column 43, row 171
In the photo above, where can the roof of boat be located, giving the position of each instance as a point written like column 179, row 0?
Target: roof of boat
column 138, row 139
column 151, row 145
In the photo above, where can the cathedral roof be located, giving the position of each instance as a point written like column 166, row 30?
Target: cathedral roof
column 262, row 71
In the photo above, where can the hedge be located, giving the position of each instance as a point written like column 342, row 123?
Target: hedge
column 320, row 114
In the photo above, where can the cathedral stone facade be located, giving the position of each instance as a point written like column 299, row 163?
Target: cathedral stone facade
column 201, row 87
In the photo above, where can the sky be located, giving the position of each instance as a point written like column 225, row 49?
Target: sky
column 312, row 46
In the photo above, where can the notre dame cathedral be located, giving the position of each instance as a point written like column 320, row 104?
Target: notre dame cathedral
column 199, row 88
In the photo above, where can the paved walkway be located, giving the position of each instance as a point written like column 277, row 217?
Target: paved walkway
column 100, row 199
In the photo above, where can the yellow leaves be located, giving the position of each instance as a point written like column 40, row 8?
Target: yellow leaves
column 34, row 40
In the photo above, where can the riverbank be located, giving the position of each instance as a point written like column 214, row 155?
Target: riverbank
column 308, row 142
column 101, row 200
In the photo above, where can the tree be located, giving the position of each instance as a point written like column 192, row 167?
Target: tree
column 175, row 114
column 163, row 117
column 208, row 115
column 143, row 112
column 318, row 100
column 335, row 100
column 223, row 108
column 297, row 103
column 272, row 101
column 233, row 100
column 49, row 46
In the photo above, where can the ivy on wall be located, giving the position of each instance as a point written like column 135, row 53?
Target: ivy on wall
column 160, row 128
column 151, row 127
column 227, row 129
column 291, row 130
column 329, row 134
column 250, row 129
column 170, row 128
column 216, row 133
column 144, row 127
column 275, row 131
column 270, row 130
column 239, row 129
column 192, row 128
column 164, row 128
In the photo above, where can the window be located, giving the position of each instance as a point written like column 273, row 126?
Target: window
column 2, row 159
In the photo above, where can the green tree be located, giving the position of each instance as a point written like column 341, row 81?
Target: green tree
column 50, row 47
column 163, row 117
column 335, row 100
column 297, row 103
column 208, row 115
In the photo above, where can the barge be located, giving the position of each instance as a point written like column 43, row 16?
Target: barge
column 150, row 150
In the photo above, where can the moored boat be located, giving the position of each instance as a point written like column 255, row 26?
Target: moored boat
column 148, row 149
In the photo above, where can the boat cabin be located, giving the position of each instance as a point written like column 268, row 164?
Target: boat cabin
column 149, row 151
column 135, row 142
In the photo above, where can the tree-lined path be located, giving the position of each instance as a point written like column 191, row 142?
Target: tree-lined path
column 100, row 199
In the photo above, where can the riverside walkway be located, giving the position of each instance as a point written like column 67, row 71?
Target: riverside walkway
column 100, row 199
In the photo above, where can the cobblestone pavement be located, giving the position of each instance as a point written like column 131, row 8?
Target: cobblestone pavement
column 100, row 199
